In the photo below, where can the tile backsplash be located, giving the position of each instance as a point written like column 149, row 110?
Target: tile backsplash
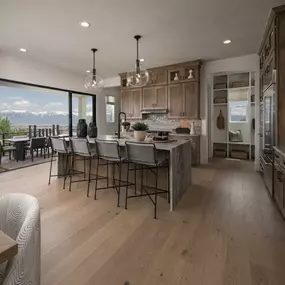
column 161, row 122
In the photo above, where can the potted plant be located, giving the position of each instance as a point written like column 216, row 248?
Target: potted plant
column 140, row 131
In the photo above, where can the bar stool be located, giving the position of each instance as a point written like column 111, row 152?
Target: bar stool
column 80, row 147
column 58, row 145
column 145, row 154
column 110, row 152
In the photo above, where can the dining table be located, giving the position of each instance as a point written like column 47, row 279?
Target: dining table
column 8, row 247
column 20, row 153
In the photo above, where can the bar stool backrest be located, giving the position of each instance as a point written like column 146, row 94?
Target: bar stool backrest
column 58, row 145
column 141, row 153
column 80, row 146
column 109, row 150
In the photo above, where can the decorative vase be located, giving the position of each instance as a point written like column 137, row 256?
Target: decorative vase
column 139, row 135
column 190, row 76
column 81, row 128
column 176, row 77
column 92, row 130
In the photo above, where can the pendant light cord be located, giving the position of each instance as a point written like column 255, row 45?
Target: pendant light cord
column 94, row 69
column 137, row 60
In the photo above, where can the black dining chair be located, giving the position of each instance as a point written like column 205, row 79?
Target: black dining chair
column 37, row 144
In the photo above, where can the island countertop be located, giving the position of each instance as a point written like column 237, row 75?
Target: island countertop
column 159, row 146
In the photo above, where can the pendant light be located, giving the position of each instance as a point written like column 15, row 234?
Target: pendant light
column 94, row 82
column 140, row 76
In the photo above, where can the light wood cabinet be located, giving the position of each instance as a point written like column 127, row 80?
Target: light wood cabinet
column 154, row 97
column 183, row 100
column 131, row 103
column 175, row 101
column 191, row 100
column 158, row 77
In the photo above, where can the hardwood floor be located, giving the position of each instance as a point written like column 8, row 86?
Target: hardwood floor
column 226, row 230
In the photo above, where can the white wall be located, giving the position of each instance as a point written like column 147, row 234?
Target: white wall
column 237, row 64
column 24, row 70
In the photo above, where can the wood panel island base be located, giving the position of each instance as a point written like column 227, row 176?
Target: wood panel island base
column 178, row 154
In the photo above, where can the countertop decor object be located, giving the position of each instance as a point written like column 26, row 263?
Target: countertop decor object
column 94, row 82
column 82, row 128
column 140, row 76
column 92, row 130
column 193, row 129
column 220, row 121
column 181, row 130
column 140, row 131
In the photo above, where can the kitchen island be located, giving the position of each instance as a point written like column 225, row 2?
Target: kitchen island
column 179, row 156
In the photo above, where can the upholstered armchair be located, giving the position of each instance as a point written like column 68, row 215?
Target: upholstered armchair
column 20, row 219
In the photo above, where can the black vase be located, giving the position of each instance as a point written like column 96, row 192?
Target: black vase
column 81, row 128
column 92, row 130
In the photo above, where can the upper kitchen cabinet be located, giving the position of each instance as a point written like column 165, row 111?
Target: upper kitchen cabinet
column 175, row 101
column 191, row 100
column 184, row 73
column 131, row 103
column 157, row 76
column 154, row 97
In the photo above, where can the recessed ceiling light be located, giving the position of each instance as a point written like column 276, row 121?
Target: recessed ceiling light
column 142, row 59
column 23, row 50
column 226, row 42
column 88, row 71
column 84, row 24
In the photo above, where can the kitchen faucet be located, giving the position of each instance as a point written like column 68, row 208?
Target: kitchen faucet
column 119, row 123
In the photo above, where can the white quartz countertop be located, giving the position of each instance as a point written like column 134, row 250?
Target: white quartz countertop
column 160, row 146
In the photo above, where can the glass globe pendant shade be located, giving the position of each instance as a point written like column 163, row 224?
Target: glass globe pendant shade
column 140, row 76
column 94, row 84
column 137, row 79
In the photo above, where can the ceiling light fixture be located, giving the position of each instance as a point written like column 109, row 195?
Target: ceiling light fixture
column 23, row 50
column 88, row 71
column 84, row 24
column 142, row 60
column 94, row 82
column 226, row 42
column 139, row 77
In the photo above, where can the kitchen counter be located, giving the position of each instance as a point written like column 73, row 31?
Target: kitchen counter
column 178, row 154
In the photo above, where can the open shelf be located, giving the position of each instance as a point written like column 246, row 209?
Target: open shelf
column 240, row 143
column 222, row 89
column 220, row 104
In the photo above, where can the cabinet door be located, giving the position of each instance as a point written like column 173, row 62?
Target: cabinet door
column 191, row 100
column 126, row 102
column 175, row 101
column 148, row 97
column 136, row 104
column 160, row 77
column 161, row 97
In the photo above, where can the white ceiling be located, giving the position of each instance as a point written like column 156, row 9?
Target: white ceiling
column 173, row 31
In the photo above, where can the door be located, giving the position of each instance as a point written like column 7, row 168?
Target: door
column 191, row 100
column 175, row 101
column 161, row 97
column 136, row 104
column 126, row 102
column 148, row 98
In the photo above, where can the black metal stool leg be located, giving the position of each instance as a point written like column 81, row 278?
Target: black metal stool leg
column 114, row 175
column 84, row 167
column 142, row 180
column 135, row 165
column 127, row 187
column 66, row 170
column 168, row 185
column 50, row 168
column 89, row 174
column 120, row 176
column 96, row 181
column 71, row 172
column 155, row 195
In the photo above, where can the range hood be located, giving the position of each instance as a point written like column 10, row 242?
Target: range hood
column 154, row 111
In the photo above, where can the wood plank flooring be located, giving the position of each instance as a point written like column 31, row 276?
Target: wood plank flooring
column 226, row 230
